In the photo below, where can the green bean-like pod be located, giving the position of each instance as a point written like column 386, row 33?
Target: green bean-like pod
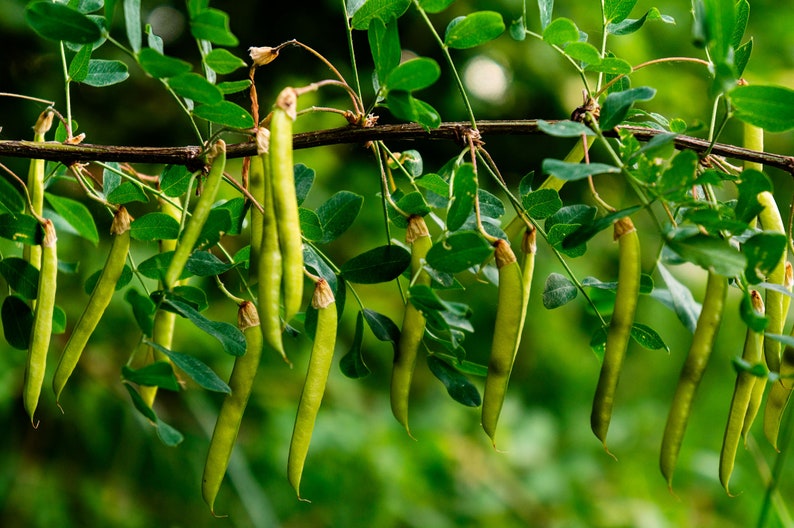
column 41, row 331
column 742, row 394
column 227, row 426
column 190, row 235
column 692, row 372
column 413, row 325
column 629, row 271
column 314, row 385
column 32, row 253
column 286, row 202
column 506, row 336
column 97, row 302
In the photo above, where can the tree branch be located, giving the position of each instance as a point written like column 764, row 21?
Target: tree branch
column 190, row 156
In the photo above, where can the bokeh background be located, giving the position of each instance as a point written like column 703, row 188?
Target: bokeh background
column 100, row 464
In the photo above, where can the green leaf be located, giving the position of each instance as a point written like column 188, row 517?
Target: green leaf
column 435, row 6
column 17, row 319
column 225, row 113
column 10, row 199
column 139, row 404
column 338, row 213
column 763, row 251
column 617, row 105
column 565, row 128
column 576, row 171
column 158, row 374
column 196, row 369
column 742, row 16
column 103, row 73
column 228, row 335
column 76, row 215
column 647, row 337
column 414, row 74
column 459, row 251
column 588, row 230
column 218, row 223
column 546, row 7
column 132, row 22
column 560, row 32
column 223, row 61
column 196, row 88
column 382, row 327
column 473, row 29
column 383, row 10
column 646, row 284
column 167, row 434
column 516, row 30
column 680, row 299
column 154, row 226
column 384, row 44
column 617, row 10
column 612, row 66
column 143, row 310
column 404, row 106
column 59, row 22
column 542, row 203
column 154, row 42
column 310, row 224
column 21, row 276
column 768, row 107
column 709, row 253
column 681, row 174
column 412, row 203
column 304, row 179
column 213, row 25
column 232, row 87
column 464, row 192
column 20, row 228
column 558, row 291
column 127, row 192
column 721, row 22
column 352, row 363
column 458, row 386
column 175, row 180
column 155, row 266
column 742, row 56
column 124, row 279
column 237, row 209
column 629, row 26
column 584, row 52
column 205, row 264
column 381, row 264
column 161, row 66
column 190, row 295
column 751, row 183
column 78, row 68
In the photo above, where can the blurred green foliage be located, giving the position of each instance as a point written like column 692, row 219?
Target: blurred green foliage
column 100, row 464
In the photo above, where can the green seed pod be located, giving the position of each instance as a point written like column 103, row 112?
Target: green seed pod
column 42, row 321
column 97, row 302
column 506, row 336
column 190, row 235
column 241, row 382
column 692, row 372
column 314, row 385
column 742, row 394
column 626, row 297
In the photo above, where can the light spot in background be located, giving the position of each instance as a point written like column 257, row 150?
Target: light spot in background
column 486, row 79
column 167, row 23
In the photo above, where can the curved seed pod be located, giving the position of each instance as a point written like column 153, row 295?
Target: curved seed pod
column 97, row 302
column 753, row 140
column 285, row 201
column 256, row 186
column 771, row 221
column 314, row 385
column 742, row 394
column 629, row 264
column 692, row 372
column 413, row 326
column 42, row 321
column 506, row 337
column 269, row 266
column 184, row 248
column 32, row 253
column 241, row 381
